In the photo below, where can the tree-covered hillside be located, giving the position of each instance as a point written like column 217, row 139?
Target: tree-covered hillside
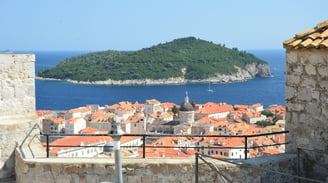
column 198, row 59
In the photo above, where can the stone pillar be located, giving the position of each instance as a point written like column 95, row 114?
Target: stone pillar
column 307, row 107
column 17, row 106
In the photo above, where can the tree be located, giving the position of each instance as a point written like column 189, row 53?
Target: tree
column 263, row 123
column 193, row 104
column 175, row 110
column 267, row 113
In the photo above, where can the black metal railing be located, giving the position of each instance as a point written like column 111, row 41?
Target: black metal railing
column 144, row 146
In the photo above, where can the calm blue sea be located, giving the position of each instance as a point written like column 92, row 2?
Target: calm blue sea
column 57, row 95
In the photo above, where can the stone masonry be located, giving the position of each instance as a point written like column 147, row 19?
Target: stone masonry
column 151, row 170
column 307, row 98
column 17, row 106
column 17, row 91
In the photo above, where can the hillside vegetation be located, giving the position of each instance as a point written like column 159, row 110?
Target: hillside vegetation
column 189, row 57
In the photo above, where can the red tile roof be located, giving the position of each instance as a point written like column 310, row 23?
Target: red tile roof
column 168, row 105
column 89, row 130
column 84, row 140
column 212, row 108
column 152, row 101
column 80, row 109
column 41, row 113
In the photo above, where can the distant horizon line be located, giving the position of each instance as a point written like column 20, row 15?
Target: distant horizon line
column 41, row 50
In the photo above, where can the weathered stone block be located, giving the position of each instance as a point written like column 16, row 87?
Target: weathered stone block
column 310, row 70
column 290, row 92
column 297, row 70
column 315, row 59
column 303, row 119
column 293, row 80
column 56, row 169
column 322, row 70
column 316, row 95
column 325, row 112
column 71, row 169
column 75, row 178
column 94, row 178
column 147, row 179
column 7, row 93
column 44, row 177
column 296, row 107
column 308, row 82
column 305, row 94
column 136, row 179
column 323, row 84
column 292, row 57
column 64, row 179
column 313, row 109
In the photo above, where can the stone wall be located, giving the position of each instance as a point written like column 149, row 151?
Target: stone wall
column 17, row 106
column 17, row 91
column 307, row 107
column 157, row 170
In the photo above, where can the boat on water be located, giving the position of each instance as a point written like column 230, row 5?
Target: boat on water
column 209, row 88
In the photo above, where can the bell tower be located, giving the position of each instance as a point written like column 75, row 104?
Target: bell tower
column 186, row 113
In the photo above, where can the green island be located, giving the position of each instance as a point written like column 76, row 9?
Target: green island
column 188, row 58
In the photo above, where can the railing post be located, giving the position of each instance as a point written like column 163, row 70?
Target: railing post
column 144, row 146
column 47, row 148
column 298, row 164
column 246, row 147
column 117, row 132
column 196, row 167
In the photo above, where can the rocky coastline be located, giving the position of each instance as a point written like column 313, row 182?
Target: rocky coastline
column 251, row 71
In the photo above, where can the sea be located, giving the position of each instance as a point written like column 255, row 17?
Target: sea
column 60, row 95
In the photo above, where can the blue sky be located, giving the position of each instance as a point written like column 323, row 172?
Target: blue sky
column 135, row 24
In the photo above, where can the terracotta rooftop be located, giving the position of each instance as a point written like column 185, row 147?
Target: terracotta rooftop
column 152, row 101
column 316, row 37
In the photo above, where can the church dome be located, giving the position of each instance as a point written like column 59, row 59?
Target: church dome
column 186, row 106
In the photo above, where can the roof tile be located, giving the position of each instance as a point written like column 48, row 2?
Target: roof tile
column 312, row 38
column 306, row 43
column 324, row 44
column 315, row 43
column 314, row 35
column 324, row 34
column 322, row 25
column 305, row 33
